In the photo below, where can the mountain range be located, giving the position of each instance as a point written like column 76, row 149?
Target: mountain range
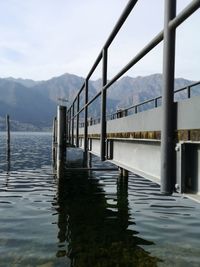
column 32, row 104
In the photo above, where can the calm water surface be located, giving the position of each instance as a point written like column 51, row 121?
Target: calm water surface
column 87, row 219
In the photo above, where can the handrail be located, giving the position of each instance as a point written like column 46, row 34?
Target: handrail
column 171, row 23
column 111, row 37
column 155, row 100
column 188, row 87
column 154, row 42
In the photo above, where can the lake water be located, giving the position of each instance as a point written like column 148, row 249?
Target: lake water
column 88, row 219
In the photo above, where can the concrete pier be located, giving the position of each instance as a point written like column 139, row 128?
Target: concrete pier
column 61, row 139
column 54, row 142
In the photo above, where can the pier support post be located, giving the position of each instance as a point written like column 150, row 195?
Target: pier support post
column 167, row 131
column 61, row 139
column 89, row 163
column 123, row 172
column 54, row 141
column 122, row 202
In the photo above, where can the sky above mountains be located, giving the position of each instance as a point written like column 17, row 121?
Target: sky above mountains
column 42, row 39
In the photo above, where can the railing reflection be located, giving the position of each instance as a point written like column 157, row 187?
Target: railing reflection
column 92, row 232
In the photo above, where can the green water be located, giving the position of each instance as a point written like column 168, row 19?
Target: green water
column 90, row 219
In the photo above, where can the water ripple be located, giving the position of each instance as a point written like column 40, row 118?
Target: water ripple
column 91, row 218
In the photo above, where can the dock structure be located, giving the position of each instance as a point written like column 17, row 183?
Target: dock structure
column 161, row 143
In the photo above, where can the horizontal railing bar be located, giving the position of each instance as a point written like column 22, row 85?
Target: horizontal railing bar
column 182, row 89
column 93, row 99
column 155, row 41
column 79, row 111
column 120, row 22
column 83, row 86
column 186, row 87
column 78, row 94
column 94, row 66
column 193, row 84
column 139, row 104
column 116, row 29
column 184, row 14
column 153, row 99
column 143, row 52
column 150, row 100
column 88, row 103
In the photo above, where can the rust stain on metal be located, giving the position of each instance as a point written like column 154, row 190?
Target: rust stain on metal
column 195, row 135
column 180, row 135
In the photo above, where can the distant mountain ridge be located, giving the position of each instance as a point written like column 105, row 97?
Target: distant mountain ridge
column 34, row 102
column 24, row 82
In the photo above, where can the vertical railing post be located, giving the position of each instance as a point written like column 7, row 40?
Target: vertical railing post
column 69, row 124
column 188, row 92
column 77, row 122
column 72, row 124
column 167, row 131
column 86, row 122
column 155, row 102
column 136, row 109
column 103, row 104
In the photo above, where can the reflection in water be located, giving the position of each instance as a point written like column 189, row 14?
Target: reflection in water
column 8, row 161
column 93, row 218
column 7, row 168
column 93, row 229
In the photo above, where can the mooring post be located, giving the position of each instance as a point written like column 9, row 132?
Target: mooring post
column 103, row 104
column 8, row 133
column 61, row 138
column 167, row 131
column 54, row 141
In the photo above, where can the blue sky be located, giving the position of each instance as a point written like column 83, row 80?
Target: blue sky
column 44, row 38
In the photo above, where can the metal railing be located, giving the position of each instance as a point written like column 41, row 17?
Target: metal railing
column 134, row 109
column 172, row 21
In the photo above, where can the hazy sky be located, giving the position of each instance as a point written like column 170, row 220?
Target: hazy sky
column 40, row 39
